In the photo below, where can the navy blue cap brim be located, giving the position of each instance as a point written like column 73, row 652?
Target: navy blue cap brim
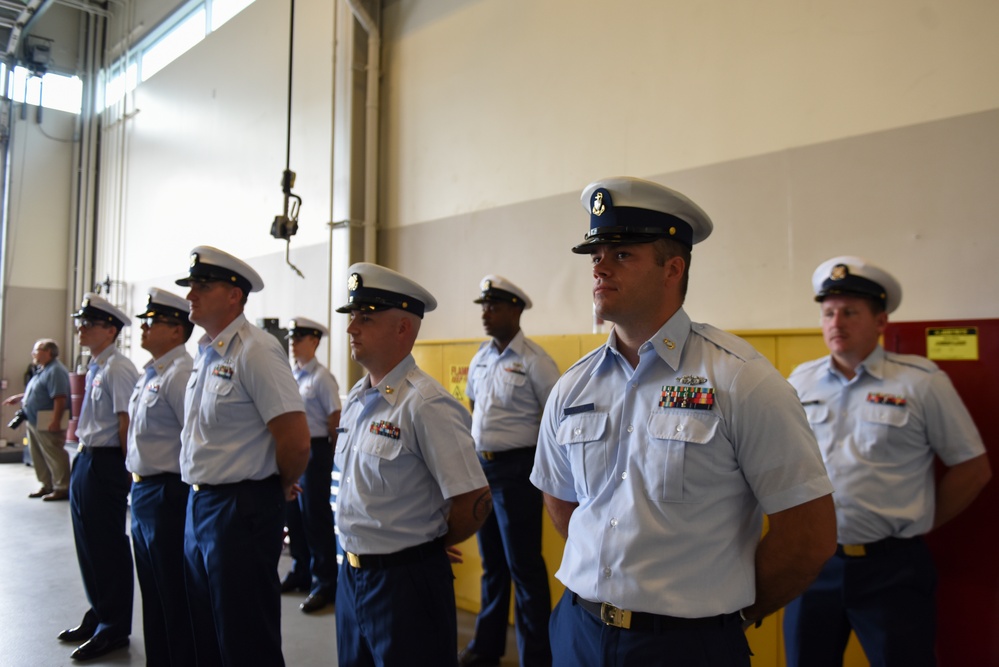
column 96, row 314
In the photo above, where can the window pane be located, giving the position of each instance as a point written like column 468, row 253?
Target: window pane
column 119, row 84
column 223, row 10
column 184, row 36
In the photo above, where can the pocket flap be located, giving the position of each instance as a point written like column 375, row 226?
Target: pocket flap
column 583, row 427
column 683, row 425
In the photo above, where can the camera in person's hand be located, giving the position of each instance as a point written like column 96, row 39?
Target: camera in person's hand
column 19, row 418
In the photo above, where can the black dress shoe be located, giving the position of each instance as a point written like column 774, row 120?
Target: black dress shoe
column 84, row 631
column 468, row 658
column 97, row 647
column 315, row 602
column 293, row 582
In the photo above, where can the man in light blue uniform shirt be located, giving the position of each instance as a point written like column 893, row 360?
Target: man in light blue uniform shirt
column 244, row 445
column 410, row 485
column 159, row 496
column 311, row 539
column 881, row 419
column 660, row 452
column 509, row 380
column 99, row 484
column 45, row 403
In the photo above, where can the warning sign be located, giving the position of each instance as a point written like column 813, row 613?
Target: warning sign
column 952, row 344
column 457, row 377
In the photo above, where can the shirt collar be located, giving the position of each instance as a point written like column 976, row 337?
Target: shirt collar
column 160, row 365
column 103, row 357
column 389, row 386
column 220, row 344
column 516, row 345
column 873, row 365
column 308, row 368
column 668, row 342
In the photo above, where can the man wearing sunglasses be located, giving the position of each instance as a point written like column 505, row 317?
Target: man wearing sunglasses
column 159, row 496
column 99, row 484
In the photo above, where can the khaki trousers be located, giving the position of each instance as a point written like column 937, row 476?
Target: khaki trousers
column 49, row 457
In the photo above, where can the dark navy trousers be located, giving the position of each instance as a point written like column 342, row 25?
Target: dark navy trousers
column 397, row 615
column 510, row 545
column 232, row 544
column 159, row 509
column 580, row 639
column 887, row 598
column 309, row 518
column 98, row 499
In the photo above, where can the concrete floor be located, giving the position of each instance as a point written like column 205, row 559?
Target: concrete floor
column 41, row 593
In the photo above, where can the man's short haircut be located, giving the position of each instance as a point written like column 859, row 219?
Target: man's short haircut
column 49, row 346
column 665, row 249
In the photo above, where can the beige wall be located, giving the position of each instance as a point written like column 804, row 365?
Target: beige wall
column 805, row 131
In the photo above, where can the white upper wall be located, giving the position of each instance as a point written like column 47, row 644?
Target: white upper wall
column 493, row 102
column 207, row 143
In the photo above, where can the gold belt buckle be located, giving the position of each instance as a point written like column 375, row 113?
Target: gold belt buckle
column 354, row 560
column 79, row 447
column 489, row 456
column 196, row 487
column 854, row 550
column 611, row 615
column 136, row 477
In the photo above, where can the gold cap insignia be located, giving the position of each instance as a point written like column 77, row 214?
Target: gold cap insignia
column 598, row 204
column 86, row 303
column 839, row 272
column 194, row 259
column 354, row 281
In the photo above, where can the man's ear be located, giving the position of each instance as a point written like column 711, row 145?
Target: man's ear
column 675, row 266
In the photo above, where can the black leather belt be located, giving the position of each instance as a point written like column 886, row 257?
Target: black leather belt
column 507, row 453
column 646, row 622
column 87, row 449
column 407, row 556
column 873, row 548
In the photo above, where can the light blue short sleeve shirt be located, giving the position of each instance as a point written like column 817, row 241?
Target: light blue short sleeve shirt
column 111, row 377
column 241, row 381
column 156, row 414
column 879, row 434
column 673, row 464
column 403, row 450
column 321, row 394
column 509, row 389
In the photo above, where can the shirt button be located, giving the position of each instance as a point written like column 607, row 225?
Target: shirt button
column 607, row 573
column 624, row 475
column 577, row 431
column 613, row 523
column 679, row 428
column 630, row 428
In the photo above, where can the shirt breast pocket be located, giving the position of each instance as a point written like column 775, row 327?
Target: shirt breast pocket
column 583, row 437
column 670, row 435
column 820, row 421
column 218, row 392
column 378, row 469
column 880, row 428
